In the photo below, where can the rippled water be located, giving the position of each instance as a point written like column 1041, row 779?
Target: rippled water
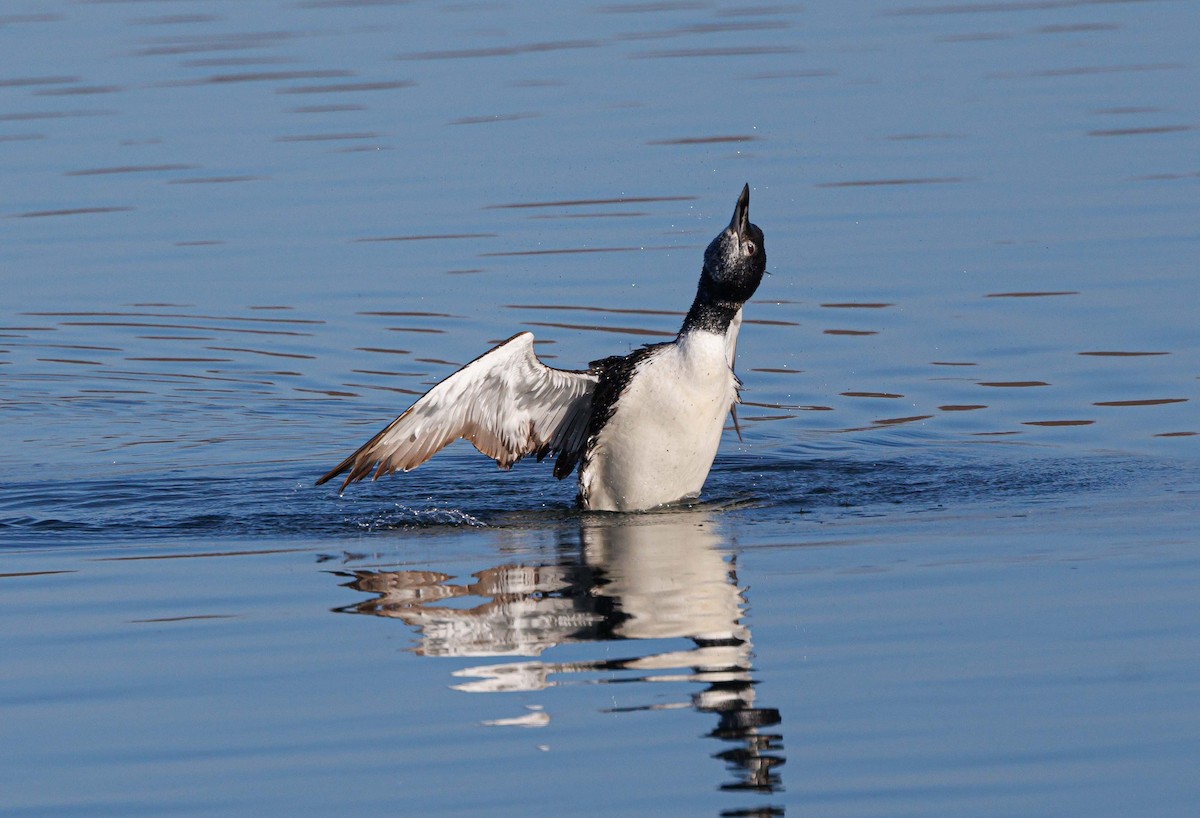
column 947, row 566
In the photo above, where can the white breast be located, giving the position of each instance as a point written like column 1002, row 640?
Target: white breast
column 663, row 434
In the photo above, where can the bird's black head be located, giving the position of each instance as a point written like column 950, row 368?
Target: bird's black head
column 735, row 260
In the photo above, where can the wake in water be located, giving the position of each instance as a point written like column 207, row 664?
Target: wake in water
column 441, row 496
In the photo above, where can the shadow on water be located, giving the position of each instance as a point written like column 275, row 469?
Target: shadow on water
column 639, row 580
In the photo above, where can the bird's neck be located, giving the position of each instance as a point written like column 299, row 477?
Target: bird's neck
column 710, row 315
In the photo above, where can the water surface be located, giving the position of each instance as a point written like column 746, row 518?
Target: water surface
column 948, row 565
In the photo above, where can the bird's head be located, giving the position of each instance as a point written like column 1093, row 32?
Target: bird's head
column 736, row 259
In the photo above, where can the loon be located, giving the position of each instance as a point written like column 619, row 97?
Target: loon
column 642, row 428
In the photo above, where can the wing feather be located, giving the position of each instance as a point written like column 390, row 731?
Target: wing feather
column 506, row 402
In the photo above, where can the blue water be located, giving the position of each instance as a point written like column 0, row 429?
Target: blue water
column 948, row 566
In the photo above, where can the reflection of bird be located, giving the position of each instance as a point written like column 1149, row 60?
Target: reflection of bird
column 660, row 585
column 643, row 427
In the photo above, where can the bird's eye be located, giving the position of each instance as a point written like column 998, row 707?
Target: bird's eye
column 749, row 248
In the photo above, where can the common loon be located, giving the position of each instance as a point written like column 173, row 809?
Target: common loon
column 643, row 428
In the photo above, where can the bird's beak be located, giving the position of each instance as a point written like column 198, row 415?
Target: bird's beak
column 740, row 224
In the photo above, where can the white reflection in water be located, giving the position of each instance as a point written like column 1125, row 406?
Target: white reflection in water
column 639, row 580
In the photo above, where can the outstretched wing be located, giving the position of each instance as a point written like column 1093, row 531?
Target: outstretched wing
column 506, row 402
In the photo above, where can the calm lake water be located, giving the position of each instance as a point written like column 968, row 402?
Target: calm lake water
column 950, row 567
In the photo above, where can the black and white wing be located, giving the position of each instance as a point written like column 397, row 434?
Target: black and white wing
column 506, row 402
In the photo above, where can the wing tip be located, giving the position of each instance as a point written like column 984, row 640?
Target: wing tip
column 339, row 469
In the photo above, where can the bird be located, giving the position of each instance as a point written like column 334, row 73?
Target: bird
column 641, row 429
